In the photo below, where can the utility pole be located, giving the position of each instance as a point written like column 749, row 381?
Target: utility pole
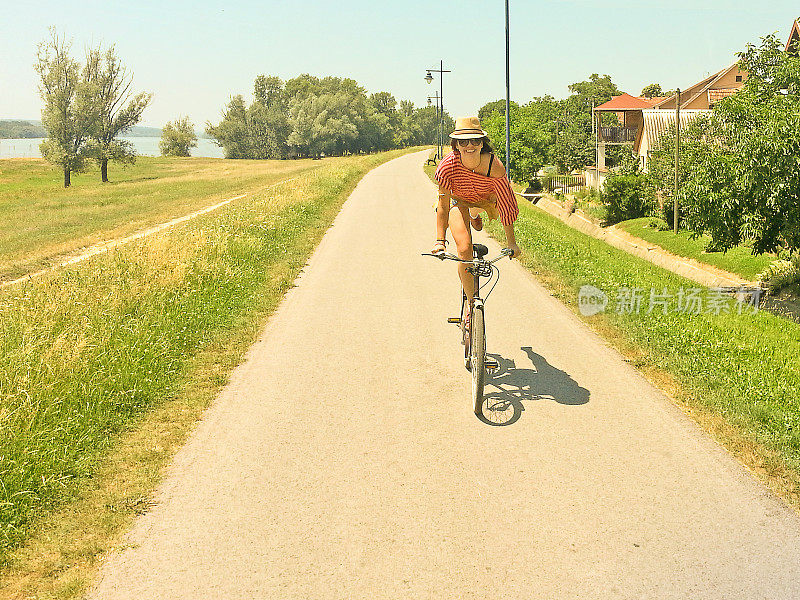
column 677, row 158
column 508, row 106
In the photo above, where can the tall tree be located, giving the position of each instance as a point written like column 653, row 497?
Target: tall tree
column 532, row 132
column 117, row 108
column 496, row 106
column 652, row 90
column 740, row 166
column 268, row 90
column 406, row 108
column 574, row 145
column 233, row 131
column 68, row 114
column 177, row 138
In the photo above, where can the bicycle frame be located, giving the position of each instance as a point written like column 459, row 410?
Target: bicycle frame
column 474, row 334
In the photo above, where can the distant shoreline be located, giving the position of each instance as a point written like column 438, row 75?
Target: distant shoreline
column 144, row 146
column 19, row 129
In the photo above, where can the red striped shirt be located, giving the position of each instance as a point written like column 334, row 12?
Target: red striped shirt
column 473, row 187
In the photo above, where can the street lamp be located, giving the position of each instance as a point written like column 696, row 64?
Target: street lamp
column 428, row 78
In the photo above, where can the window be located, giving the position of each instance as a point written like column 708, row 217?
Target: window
column 738, row 79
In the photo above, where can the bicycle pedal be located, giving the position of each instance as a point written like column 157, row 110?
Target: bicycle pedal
column 491, row 364
column 455, row 320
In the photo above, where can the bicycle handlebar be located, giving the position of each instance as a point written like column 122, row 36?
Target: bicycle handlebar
column 447, row 256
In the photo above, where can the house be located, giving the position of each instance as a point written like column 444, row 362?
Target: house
column 629, row 110
column 793, row 43
column 643, row 120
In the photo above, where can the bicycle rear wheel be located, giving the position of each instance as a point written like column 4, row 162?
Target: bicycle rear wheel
column 478, row 358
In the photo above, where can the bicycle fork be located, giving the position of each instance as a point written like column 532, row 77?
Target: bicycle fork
column 476, row 304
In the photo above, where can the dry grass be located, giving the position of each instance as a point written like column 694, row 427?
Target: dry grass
column 41, row 221
column 167, row 318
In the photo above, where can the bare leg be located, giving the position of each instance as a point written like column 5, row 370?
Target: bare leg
column 459, row 219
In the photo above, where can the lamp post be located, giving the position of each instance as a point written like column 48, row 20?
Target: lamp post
column 428, row 77
column 439, row 119
column 508, row 106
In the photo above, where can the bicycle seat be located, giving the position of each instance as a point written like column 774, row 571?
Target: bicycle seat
column 479, row 250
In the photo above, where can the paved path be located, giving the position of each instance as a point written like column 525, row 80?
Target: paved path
column 343, row 460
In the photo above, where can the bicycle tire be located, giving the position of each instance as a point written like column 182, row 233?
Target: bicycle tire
column 478, row 358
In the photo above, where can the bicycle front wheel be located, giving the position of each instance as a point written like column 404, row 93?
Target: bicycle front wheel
column 478, row 358
column 466, row 334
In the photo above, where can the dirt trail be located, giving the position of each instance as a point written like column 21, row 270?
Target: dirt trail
column 343, row 459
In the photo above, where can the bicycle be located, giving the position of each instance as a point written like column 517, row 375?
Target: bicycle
column 472, row 319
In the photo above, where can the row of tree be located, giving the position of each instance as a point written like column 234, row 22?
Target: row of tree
column 86, row 106
column 309, row 116
column 546, row 131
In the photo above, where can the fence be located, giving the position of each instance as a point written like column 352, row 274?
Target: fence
column 618, row 135
column 568, row 184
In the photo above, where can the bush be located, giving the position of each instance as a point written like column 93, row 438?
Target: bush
column 589, row 195
column 177, row 138
column 626, row 197
column 534, row 186
column 658, row 224
column 781, row 274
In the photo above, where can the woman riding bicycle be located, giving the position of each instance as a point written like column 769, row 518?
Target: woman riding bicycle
column 471, row 180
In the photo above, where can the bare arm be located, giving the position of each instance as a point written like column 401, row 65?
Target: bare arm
column 511, row 240
column 442, row 213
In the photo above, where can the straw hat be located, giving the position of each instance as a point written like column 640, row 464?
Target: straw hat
column 468, row 127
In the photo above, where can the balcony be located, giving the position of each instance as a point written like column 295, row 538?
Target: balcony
column 618, row 135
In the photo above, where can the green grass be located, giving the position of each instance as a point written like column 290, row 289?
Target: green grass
column 738, row 372
column 88, row 352
column 739, row 260
column 40, row 220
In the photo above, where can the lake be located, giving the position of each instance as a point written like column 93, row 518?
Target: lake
column 146, row 146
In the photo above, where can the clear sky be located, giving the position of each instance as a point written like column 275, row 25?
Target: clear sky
column 194, row 54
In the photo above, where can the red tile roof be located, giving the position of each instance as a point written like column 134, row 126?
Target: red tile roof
column 626, row 102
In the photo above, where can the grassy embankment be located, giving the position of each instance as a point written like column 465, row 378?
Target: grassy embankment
column 739, row 260
column 40, row 220
column 737, row 374
column 106, row 366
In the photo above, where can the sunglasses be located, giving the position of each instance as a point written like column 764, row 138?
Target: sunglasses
column 473, row 141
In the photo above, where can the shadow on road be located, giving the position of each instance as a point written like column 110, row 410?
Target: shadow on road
column 510, row 386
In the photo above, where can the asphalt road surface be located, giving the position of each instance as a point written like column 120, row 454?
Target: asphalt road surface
column 343, row 461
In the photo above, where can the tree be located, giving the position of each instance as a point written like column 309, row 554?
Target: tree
column 652, row 90
column 426, row 121
column 742, row 172
column 574, row 146
column 178, row 138
column 68, row 114
column 406, row 108
column 269, row 91
column 498, row 106
column 117, row 109
column 594, row 91
column 532, row 131
column 233, row 133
